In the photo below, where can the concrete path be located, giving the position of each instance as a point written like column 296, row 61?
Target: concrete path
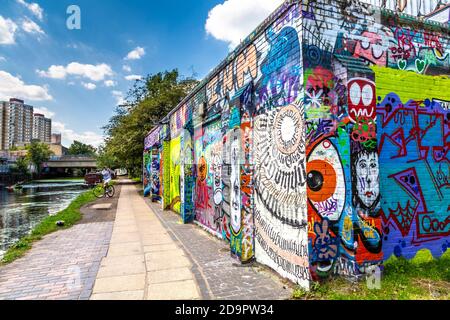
column 143, row 261
column 218, row 275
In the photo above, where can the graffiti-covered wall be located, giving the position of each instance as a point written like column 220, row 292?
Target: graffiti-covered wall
column 414, row 149
column 320, row 146
column 344, row 223
column 280, row 214
column 361, row 208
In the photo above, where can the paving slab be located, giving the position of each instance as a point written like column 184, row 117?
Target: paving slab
column 169, row 275
column 119, row 295
column 102, row 206
column 142, row 257
column 120, row 283
column 180, row 290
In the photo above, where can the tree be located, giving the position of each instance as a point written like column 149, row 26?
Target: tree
column 38, row 153
column 105, row 158
column 81, row 149
column 21, row 168
column 148, row 102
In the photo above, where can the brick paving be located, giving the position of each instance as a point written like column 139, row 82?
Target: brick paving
column 218, row 275
column 61, row 266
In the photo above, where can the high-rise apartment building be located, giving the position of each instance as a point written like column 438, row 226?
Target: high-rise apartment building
column 2, row 111
column 18, row 125
column 42, row 128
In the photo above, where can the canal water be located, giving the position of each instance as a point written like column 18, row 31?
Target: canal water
column 22, row 210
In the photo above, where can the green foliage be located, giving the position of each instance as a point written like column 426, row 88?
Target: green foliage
column 81, row 149
column 149, row 101
column 106, row 158
column 70, row 216
column 21, row 168
column 38, row 153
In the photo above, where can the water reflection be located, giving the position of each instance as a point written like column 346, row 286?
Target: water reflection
column 22, row 210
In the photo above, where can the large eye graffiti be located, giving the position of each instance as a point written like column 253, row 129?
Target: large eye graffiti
column 325, row 181
column 362, row 99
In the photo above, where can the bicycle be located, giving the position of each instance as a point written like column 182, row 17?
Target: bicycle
column 100, row 192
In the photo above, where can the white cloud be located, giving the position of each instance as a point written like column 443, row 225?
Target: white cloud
column 30, row 26
column 133, row 77
column 14, row 87
column 69, row 135
column 126, row 68
column 2, row 59
column 43, row 110
column 7, row 31
column 118, row 95
column 135, row 54
column 34, row 8
column 110, row 83
column 54, row 72
column 233, row 20
column 92, row 72
column 89, row 85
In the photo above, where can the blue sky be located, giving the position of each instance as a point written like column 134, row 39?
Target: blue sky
column 78, row 76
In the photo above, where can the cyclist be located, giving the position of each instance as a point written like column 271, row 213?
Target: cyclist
column 106, row 173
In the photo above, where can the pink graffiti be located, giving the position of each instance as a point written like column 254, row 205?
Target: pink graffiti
column 405, row 47
column 371, row 48
column 432, row 41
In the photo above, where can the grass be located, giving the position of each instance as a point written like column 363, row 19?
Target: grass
column 138, row 180
column 70, row 216
column 421, row 278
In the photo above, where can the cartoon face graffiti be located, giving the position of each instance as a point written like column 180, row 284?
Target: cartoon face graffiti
column 362, row 99
column 366, row 169
column 325, row 180
column 235, row 192
column 217, row 175
column 371, row 48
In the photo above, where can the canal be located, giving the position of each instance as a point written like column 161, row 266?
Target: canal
column 22, row 210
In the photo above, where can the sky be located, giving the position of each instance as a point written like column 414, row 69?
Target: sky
column 78, row 76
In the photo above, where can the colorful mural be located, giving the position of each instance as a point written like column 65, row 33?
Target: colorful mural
column 147, row 175
column 175, row 155
column 166, row 178
column 155, row 178
column 320, row 146
column 187, row 175
column 414, row 150
column 208, row 189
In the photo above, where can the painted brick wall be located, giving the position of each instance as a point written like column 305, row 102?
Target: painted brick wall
column 345, row 232
column 291, row 152
column 382, row 208
column 414, row 160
